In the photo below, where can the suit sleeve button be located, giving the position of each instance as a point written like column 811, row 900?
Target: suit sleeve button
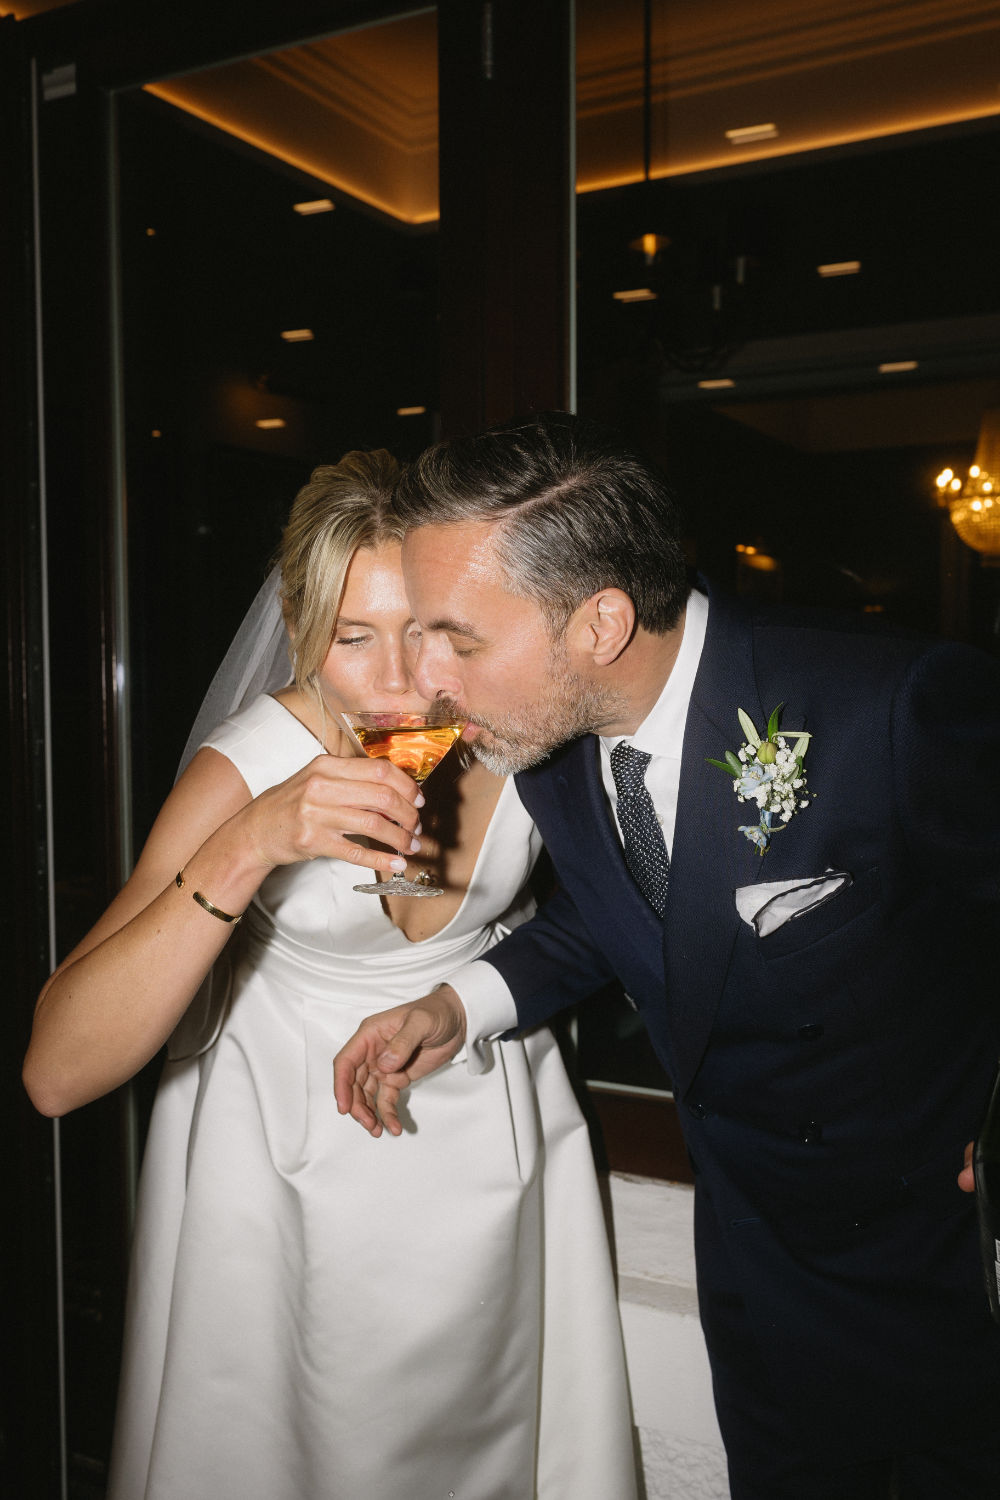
column 811, row 1032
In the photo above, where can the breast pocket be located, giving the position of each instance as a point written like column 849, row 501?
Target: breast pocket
column 848, row 917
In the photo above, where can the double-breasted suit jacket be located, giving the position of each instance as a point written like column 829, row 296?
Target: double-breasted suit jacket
column 827, row 1075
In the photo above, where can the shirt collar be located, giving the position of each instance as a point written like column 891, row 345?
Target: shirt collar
column 662, row 730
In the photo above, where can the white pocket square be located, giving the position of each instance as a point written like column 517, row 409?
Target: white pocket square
column 769, row 904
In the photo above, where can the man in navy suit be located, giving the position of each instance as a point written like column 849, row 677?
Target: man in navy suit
column 816, row 964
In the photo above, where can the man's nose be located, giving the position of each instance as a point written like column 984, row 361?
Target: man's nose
column 430, row 673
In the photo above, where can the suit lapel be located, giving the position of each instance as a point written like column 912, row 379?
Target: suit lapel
column 710, row 857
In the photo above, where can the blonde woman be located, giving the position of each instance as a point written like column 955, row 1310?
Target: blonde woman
column 290, row 1334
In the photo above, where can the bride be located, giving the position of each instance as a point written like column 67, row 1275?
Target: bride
column 291, row 1334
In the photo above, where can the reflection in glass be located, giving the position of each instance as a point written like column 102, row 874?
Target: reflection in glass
column 280, row 283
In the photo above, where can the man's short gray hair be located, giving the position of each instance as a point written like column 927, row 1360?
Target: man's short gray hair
column 575, row 511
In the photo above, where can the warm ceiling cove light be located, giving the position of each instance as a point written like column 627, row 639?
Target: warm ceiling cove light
column 297, row 335
column 636, row 294
column 722, row 384
column 268, row 422
column 410, row 411
column 897, row 366
column 745, row 135
column 314, row 206
column 840, row 268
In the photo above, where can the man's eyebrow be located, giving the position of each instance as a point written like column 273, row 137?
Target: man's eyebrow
column 456, row 627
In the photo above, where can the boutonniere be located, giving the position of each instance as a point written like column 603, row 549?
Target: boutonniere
column 766, row 771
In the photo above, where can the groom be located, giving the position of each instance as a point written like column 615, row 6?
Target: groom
column 816, row 963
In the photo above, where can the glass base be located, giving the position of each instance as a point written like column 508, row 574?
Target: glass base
column 398, row 885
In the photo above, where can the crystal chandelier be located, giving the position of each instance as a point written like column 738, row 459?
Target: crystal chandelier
column 974, row 502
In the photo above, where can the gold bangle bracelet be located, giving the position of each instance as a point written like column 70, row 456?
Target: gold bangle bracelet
column 203, row 901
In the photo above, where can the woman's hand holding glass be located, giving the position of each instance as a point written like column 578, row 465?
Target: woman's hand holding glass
column 326, row 807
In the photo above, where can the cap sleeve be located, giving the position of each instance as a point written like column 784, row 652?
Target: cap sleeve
column 265, row 743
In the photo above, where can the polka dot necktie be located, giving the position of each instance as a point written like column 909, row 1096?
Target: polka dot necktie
column 645, row 851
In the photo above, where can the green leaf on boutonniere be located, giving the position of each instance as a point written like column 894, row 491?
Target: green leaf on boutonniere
column 747, row 725
column 722, row 765
column 772, row 723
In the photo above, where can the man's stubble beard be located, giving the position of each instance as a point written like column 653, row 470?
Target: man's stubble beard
column 574, row 707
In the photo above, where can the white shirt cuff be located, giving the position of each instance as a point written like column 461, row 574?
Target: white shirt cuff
column 489, row 1011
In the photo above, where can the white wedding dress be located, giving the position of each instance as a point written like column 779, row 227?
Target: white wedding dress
column 317, row 1315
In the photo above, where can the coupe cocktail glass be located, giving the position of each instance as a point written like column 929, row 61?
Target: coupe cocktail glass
column 416, row 743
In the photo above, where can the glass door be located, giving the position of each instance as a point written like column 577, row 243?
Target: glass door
column 236, row 276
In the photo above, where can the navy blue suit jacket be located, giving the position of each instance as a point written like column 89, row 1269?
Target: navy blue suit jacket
column 829, row 1075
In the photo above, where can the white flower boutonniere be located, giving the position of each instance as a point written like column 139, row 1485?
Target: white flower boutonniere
column 766, row 771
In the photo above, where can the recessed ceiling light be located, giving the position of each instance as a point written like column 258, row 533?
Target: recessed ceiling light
column 297, row 335
column 636, row 294
column 314, row 206
column 716, row 385
column 410, row 411
column 840, row 268
column 270, row 422
column 745, row 135
column 897, row 366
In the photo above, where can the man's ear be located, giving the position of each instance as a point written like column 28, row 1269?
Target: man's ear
column 602, row 626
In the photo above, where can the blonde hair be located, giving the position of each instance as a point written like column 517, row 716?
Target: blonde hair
column 344, row 506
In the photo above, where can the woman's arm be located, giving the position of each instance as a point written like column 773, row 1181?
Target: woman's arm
column 113, row 1002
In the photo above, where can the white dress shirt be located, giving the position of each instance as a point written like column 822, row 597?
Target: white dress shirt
column 489, row 1005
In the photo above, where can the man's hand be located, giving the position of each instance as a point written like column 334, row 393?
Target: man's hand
column 966, row 1178
column 390, row 1051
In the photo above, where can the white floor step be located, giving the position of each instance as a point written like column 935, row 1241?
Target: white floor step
column 682, row 1453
